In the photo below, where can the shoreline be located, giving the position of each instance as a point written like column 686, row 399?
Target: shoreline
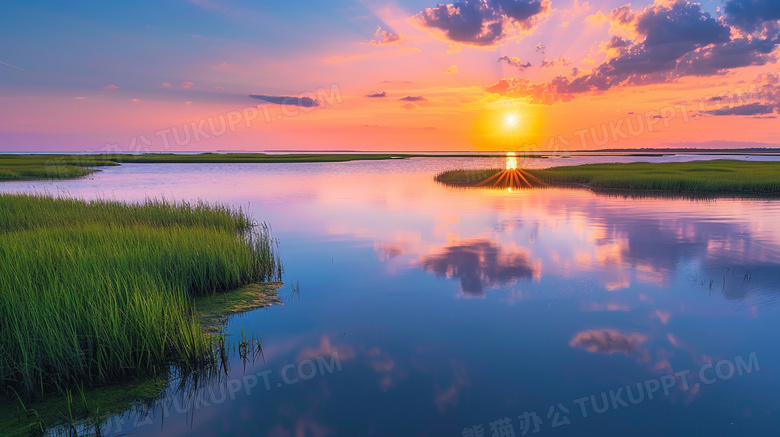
column 711, row 178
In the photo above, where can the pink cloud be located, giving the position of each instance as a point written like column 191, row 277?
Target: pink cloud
column 110, row 87
column 385, row 37
column 187, row 85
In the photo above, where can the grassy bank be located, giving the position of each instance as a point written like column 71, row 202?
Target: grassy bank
column 34, row 167
column 719, row 176
column 94, row 293
column 87, row 410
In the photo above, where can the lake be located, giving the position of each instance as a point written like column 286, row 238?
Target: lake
column 416, row 309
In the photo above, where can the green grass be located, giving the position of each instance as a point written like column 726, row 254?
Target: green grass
column 88, row 410
column 465, row 177
column 719, row 176
column 34, row 167
column 99, row 292
column 213, row 310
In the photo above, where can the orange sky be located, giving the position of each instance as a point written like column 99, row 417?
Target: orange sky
column 649, row 79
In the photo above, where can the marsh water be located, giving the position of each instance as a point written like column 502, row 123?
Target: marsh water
column 416, row 309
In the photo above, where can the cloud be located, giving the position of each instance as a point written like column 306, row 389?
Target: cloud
column 540, row 48
column 413, row 99
column 670, row 39
column 166, row 84
column 452, row 69
column 560, row 62
column 760, row 101
column 187, row 85
column 408, row 106
column 385, row 37
column 750, row 14
column 110, row 87
column 543, row 92
column 769, row 88
column 615, row 47
column 377, row 95
column 479, row 264
column 448, row 398
column 577, row 9
column 327, row 348
column 670, row 30
column 306, row 102
column 740, row 52
column 608, row 341
column 749, row 109
column 470, row 21
column 511, row 60
column 483, row 22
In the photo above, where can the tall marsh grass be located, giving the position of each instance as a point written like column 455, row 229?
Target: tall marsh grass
column 96, row 292
column 718, row 176
column 46, row 166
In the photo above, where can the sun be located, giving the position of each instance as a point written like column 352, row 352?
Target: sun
column 506, row 126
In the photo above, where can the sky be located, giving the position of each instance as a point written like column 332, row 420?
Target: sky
column 409, row 75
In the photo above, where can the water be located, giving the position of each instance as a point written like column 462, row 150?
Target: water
column 449, row 309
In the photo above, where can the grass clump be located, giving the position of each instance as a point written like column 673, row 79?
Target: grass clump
column 98, row 292
column 34, row 167
column 213, row 310
column 718, row 176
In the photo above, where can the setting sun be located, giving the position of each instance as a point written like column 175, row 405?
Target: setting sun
column 505, row 128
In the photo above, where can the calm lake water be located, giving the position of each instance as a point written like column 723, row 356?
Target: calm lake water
column 424, row 310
